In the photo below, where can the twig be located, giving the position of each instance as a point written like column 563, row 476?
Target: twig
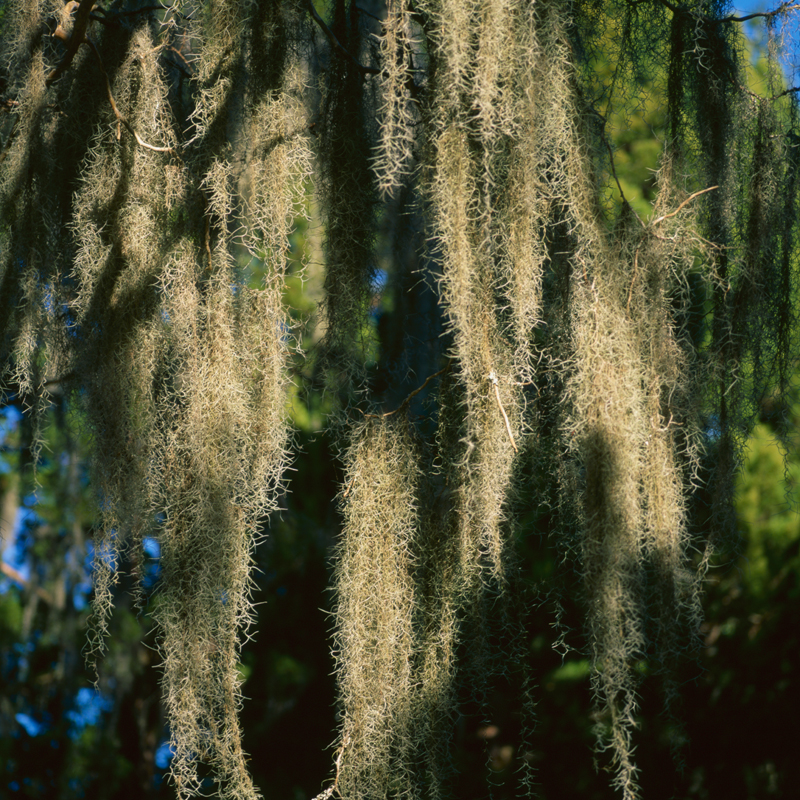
column 619, row 185
column 325, row 795
column 683, row 204
column 142, row 10
column 207, row 239
column 117, row 114
column 493, row 379
column 344, row 497
column 413, row 394
column 367, row 14
column 336, row 44
column 59, row 380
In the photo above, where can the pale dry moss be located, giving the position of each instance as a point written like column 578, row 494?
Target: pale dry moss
column 181, row 365
column 607, row 426
column 608, row 433
column 118, row 220
column 491, row 400
column 375, row 643
column 470, row 115
column 221, row 457
column 396, row 137
column 441, row 590
column 536, row 182
column 637, row 440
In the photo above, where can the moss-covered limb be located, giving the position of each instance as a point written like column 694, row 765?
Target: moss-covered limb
column 146, row 238
column 713, row 94
column 181, row 367
column 38, row 161
column 497, row 156
column 74, row 39
column 119, row 215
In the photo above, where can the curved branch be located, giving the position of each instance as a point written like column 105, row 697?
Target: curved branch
column 413, row 394
column 683, row 204
column 781, row 9
column 18, row 578
column 116, row 111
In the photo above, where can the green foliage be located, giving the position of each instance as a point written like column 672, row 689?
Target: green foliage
column 767, row 515
column 10, row 619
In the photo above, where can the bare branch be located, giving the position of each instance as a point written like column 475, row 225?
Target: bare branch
column 413, row 394
column 117, row 114
column 683, row 204
column 784, row 8
column 19, row 578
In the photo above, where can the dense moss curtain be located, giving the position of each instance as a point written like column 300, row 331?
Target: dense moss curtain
column 549, row 346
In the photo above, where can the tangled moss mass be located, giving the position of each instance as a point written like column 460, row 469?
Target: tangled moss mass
column 556, row 347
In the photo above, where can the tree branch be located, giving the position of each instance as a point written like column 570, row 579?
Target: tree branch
column 783, row 8
column 683, row 204
column 76, row 38
column 20, row 579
